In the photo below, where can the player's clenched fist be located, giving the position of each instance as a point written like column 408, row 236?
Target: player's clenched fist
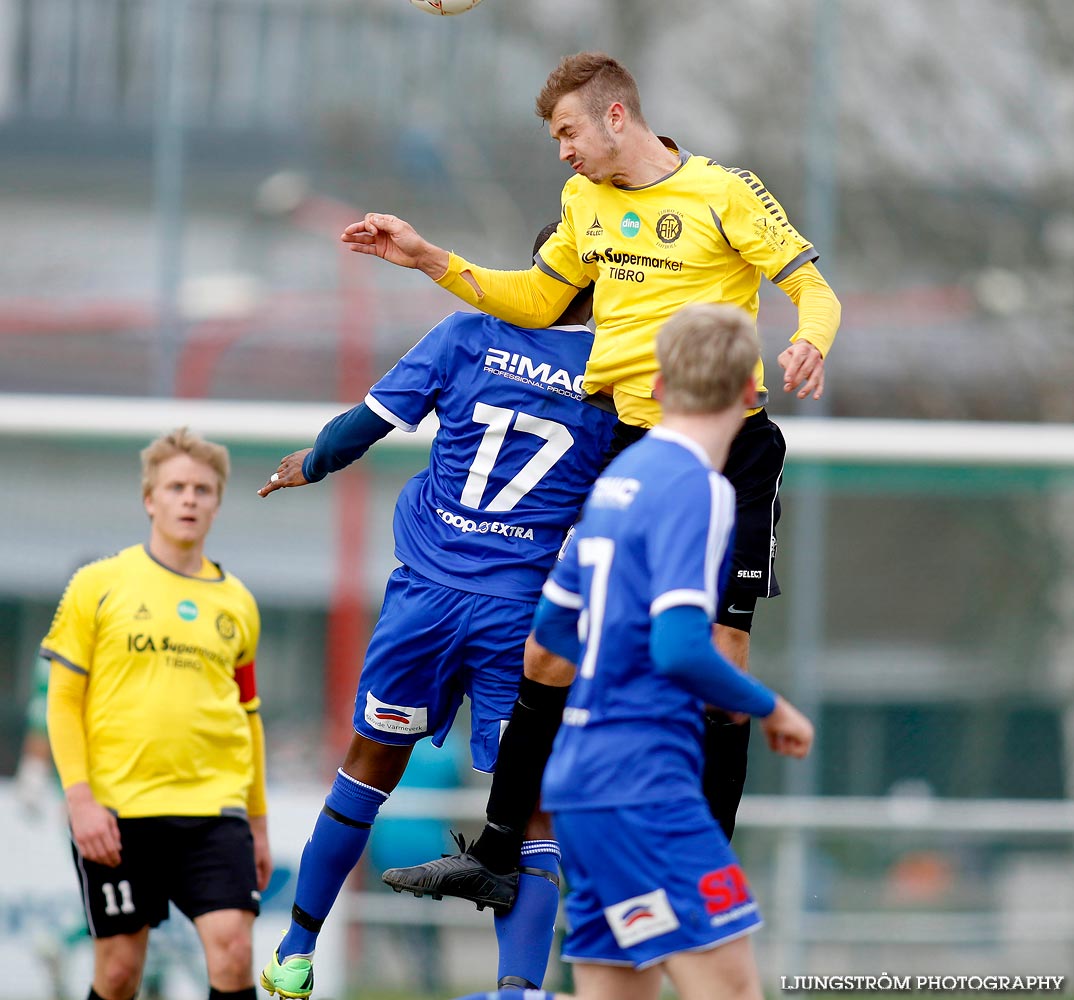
column 787, row 730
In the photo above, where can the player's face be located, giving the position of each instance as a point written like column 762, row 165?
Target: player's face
column 586, row 144
column 183, row 501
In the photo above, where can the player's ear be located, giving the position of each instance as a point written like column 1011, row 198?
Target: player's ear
column 658, row 387
column 616, row 117
column 147, row 502
column 749, row 393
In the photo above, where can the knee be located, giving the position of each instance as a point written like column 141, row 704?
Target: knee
column 229, row 957
column 117, row 976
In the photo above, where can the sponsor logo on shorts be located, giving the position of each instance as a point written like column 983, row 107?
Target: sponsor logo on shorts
column 750, row 574
column 395, row 718
column 731, row 915
column 641, row 917
column 726, row 894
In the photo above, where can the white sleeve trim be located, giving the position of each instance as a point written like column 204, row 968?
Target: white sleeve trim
column 561, row 596
column 385, row 414
column 683, row 598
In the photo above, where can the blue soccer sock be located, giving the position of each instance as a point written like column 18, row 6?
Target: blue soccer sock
column 510, row 995
column 525, row 933
column 337, row 842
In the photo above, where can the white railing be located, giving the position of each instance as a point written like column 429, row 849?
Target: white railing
column 791, row 927
column 851, row 440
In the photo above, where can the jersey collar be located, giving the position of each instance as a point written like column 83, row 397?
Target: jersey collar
column 186, row 576
column 663, row 434
column 674, row 147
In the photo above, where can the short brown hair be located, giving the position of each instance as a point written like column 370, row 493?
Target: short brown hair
column 601, row 79
column 706, row 354
column 183, row 441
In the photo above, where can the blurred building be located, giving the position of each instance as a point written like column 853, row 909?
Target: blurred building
column 928, row 150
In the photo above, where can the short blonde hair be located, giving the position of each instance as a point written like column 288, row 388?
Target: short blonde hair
column 706, row 354
column 599, row 79
column 183, row 441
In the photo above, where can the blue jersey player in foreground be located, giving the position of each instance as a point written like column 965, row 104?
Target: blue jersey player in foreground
column 654, row 884
column 477, row 533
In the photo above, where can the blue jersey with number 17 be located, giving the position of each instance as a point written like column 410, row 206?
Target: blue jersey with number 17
column 654, row 535
column 515, row 455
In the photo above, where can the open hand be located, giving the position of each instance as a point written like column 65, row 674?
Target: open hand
column 803, row 369
column 396, row 241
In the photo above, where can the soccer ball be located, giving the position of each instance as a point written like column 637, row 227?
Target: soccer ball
column 445, row 7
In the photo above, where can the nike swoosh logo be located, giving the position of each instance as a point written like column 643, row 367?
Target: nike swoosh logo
column 738, row 611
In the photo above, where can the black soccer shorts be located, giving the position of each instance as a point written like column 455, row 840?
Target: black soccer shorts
column 200, row 863
column 755, row 469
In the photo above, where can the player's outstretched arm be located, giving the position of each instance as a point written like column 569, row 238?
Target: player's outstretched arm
column 787, row 730
column 396, row 241
column 288, row 473
column 343, row 440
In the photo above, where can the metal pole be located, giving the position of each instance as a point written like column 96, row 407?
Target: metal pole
column 168, row 152
column 808, row 513
column 809, row 510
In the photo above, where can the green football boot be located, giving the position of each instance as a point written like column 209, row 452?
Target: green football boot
column 293, row 979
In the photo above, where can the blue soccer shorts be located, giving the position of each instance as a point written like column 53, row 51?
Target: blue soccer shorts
column 431, row 645
column 647, row 882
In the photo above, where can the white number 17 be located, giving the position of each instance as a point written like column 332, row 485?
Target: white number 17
column 557, row 442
